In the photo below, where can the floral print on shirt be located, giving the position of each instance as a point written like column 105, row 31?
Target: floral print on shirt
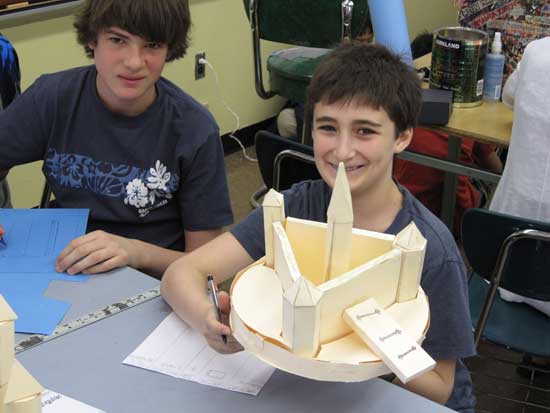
column 142, row 189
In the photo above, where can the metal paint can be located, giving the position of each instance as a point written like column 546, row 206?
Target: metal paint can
column 458, row 61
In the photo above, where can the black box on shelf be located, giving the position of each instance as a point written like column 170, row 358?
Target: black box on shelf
column 437, row 106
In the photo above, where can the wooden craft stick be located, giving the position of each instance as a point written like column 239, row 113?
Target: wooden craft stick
column 406, row 358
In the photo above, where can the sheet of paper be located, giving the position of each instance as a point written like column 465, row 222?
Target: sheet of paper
column 33, row 240
column 53, row 402
column 34, row 237
column 36, row 314
column 177, row 350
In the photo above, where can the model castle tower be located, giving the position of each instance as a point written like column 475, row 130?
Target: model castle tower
column 335, row 281
column 19, row 391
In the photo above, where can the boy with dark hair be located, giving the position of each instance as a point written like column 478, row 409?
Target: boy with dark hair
column 119, row 139
column 364, row 104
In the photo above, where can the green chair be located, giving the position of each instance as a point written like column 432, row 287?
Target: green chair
column 512, row 253
column 313, row 25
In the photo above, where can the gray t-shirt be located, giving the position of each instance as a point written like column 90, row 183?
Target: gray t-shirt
column 443, row 277
column 149, row 177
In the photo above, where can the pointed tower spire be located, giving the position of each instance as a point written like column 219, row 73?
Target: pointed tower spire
column 340, row 224
column 412, row 244
column 302, row 317
column 274, row 211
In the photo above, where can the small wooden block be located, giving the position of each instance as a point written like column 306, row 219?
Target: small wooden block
column 6, row 313
column 22, row 393
column 302, row 318
column 406, row 358
column 273, row 208
column 413, row 245
column 6, row 350
column 7, row 318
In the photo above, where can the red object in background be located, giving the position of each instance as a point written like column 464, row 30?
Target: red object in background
column 426, row 183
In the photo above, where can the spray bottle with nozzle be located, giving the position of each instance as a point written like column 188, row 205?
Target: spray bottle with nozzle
column 494, row 69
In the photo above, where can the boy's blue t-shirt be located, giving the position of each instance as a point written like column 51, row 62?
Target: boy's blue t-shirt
column 443, row 276
column 148, row 177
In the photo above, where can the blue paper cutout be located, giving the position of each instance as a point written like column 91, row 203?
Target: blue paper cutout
column 37, row 236
column 35, row 313
column 27, row 263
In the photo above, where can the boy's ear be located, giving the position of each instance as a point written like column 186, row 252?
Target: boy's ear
column 92, row 45
column 403, row 140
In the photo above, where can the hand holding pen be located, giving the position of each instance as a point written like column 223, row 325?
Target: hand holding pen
column 214, row 296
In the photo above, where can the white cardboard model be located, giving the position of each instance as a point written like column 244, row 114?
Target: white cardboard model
column 302, row 307
column 19, row 391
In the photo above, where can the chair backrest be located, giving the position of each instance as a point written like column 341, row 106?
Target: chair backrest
column 493, row 240
column 291, row 169
column 310, row 23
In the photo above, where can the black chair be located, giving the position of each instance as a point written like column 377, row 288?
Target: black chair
column 314, row 26
column 512, row 253
column 308, row 23
column 46, row 199
column 282, row 162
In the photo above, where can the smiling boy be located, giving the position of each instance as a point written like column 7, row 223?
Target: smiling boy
column 117, row 138
column 364, row 103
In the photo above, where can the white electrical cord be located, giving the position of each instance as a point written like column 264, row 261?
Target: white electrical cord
column 237, row 126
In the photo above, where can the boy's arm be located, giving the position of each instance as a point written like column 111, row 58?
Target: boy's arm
column 184, row 287
column 100, row 251
column 436, row 384
column 485, row 156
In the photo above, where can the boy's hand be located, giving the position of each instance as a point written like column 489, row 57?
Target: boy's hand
column 96, row 252
column 212, row 329
column 2, row 231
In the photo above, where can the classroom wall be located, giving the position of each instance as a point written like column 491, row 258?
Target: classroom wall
column 220, row 28
column 429, row 15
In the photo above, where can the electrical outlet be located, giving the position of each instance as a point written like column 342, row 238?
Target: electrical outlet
column 200, row 68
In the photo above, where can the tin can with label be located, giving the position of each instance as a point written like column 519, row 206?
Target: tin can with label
column 458, row 61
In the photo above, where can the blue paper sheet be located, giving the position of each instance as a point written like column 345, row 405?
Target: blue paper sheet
column 35, row 313
column 35, row 237
column 33, row 240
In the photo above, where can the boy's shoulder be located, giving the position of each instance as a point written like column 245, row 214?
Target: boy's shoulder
column 183, row 105
column 441, row 247
column 64, row 82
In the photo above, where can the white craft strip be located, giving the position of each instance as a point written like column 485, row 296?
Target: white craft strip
column 273, row 208
column 388, row 340
column 285, row 264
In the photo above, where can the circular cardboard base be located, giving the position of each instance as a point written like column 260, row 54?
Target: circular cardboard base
column 256, row 321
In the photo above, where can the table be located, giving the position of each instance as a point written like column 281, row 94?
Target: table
column 491, row 122
column 86, row 365
column 99, row 291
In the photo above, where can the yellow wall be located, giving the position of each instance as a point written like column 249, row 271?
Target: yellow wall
column 220, row 28
column 429, row 15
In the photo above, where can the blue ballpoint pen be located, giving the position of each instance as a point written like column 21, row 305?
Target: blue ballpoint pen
column 215, row 300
